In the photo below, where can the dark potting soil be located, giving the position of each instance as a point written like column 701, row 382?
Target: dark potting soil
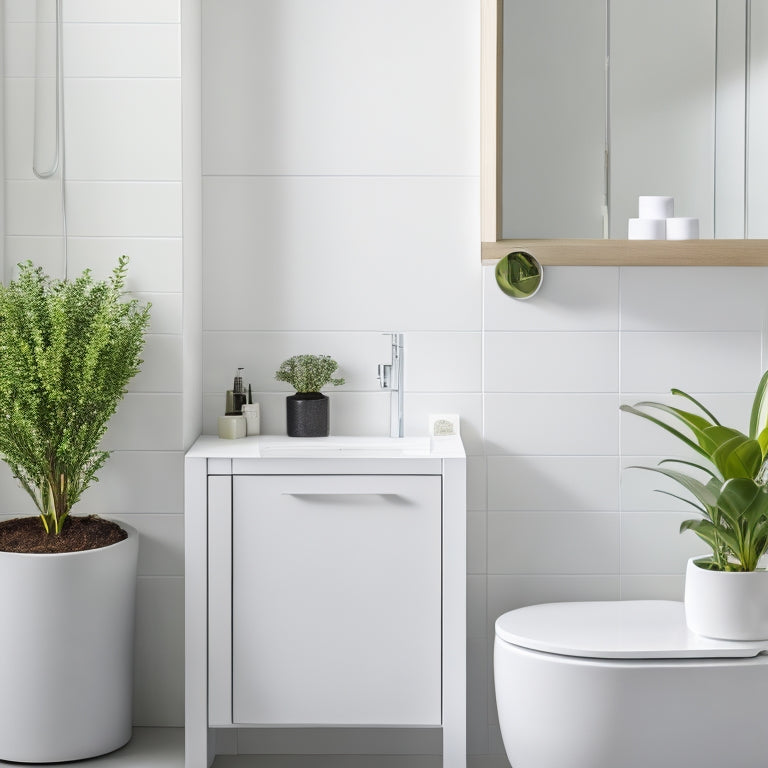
column 27, row 535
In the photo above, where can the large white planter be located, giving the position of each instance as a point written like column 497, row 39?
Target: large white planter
column 66, row 645
column 726, row 606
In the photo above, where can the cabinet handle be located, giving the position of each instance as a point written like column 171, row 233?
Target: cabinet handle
column 338, row 493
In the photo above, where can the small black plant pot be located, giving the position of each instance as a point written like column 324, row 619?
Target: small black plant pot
column 307, row 414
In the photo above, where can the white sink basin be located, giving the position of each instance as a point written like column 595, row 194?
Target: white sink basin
column 348, row 447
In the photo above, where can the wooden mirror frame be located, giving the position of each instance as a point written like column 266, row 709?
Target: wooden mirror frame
column 725, row 252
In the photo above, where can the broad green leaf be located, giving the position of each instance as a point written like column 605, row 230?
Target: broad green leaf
column 692, row 420
column 762, row 439
column 690, row 464
column 679, row 435
column 758, row 420
column 680, row 393
column 738, row 457
column 701, row 492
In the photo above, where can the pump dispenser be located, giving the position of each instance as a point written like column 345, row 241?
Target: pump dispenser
column 236, row 397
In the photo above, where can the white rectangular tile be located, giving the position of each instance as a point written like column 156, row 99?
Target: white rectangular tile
column 693, row 298
column 162, row 367
column 566, row 424
column 477, row 695
column 371, row 263
column 45, row 252
column 159, row 664
column 137, row 482
column 146, row 422
column 124, row 209
column 261, row 353
column 476, row 542
column 19, row 54
column 570, row 299
column 147, row 11
column 122, row 50
column 551, row 362
column 651, row 543
column 652, row 587
column 418, row 407
column 155, row 264
column 161, row 543
column 351, row 413
column 542, row 543
column 505, row 593
column 477, row 620
column 18, row 127
column 165, row 311
column 694, row 362
column 327, row 117
column 33, row 208
column 639, row 436
column 109, row 136
column 477, row 482
column 649, row 491
column 553, row 483
column 443, row 362
column 16, row 501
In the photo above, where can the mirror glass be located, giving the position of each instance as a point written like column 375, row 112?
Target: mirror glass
column 604, row 101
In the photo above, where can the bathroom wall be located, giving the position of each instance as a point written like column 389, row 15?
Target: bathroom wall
column 340, row 202
column 125, row 193
column 340, row 194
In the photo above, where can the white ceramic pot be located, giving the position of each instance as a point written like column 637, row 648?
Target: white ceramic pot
column 726, row 606
column 66, row 642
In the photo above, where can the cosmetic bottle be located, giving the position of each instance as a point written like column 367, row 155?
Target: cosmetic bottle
column 236, row 396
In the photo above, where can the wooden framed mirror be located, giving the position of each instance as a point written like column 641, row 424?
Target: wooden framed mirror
column 605, row 251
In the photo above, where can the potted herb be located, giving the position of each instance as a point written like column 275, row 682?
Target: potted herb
column 307, row 410
column 68, row 348
column 726, row 592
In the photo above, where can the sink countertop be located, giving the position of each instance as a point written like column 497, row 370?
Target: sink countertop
column 335, row 447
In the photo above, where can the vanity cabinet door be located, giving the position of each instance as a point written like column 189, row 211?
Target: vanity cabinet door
column 336, row 600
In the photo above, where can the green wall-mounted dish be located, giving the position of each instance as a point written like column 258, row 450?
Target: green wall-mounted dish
column 519, row 275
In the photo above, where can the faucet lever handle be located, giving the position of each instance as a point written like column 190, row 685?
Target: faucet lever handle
column 385, row 376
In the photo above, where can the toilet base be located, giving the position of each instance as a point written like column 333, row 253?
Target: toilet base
column 569, row 712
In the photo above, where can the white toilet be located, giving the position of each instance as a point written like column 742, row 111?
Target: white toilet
column 626, row 685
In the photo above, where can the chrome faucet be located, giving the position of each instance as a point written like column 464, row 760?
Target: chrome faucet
column 391, row 378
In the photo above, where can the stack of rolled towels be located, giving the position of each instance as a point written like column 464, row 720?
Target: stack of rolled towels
column 657, row 221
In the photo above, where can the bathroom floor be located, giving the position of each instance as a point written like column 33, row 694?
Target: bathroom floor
column 164, row 748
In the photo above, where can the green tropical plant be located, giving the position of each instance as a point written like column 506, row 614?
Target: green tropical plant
column 308, row 373
column 732, row 497
column 68, row 349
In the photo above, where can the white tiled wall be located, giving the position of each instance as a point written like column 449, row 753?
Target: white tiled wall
column 123, row 159
column 340, row 201
column 340, row 193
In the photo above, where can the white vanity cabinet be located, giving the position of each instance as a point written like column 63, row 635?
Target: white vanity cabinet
column 325, row 588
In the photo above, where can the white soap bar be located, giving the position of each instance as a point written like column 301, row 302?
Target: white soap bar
column 647, row 229
column 441, row 424
column 683, row 228
column 655, row 207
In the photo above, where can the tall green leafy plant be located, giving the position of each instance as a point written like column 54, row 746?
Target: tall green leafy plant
column 729, row 488
column 68, row 349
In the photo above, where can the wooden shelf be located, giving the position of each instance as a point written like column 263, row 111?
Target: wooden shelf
column 635, row 253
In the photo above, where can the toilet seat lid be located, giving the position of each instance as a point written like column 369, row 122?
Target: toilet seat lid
column 625, row 629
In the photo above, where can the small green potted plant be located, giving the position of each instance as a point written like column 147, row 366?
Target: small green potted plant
column 726, row 592
column 68, row 349
column 307, row 410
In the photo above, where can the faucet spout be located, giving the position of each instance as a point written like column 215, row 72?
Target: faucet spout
column 391, row 378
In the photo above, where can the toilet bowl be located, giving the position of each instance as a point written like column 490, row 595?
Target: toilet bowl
column 626, row 685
